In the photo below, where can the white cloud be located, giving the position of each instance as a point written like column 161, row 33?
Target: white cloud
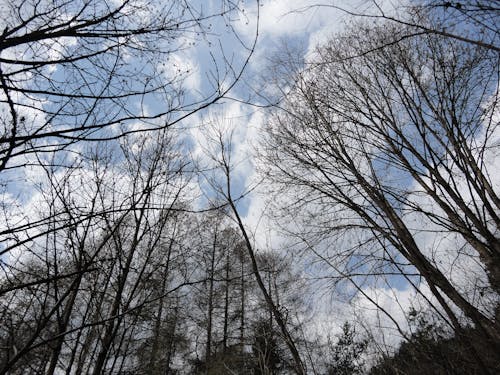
column 182, row 67
column 309, row 19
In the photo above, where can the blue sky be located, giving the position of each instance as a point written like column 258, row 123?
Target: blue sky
column 295, row 25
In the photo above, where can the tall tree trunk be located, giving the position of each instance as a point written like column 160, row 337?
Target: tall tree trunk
column 226, row 306
column 208, row 349
column 299, row 366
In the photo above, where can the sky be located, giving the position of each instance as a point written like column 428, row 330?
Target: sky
column 282, row 24
column 296, row 27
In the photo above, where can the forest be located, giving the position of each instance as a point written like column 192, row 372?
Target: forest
column 249, row 187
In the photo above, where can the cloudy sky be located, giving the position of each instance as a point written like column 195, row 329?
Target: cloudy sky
column 298, row 27
column 286, row 29
column 295, row 27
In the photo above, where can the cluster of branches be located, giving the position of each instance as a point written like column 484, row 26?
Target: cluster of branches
column 98, row 70
column 382, row 147
column 154, row 289
column 99, row 273
column 122, row 275
column 96, row 264
column 76, row 75
column 382, row 155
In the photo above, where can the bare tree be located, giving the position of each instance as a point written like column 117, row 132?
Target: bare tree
column 379, row 147
column 75, row 76
column 469, row 21
column 89, row 70
column 88, row 93
column 96, row 256
column 221, row 182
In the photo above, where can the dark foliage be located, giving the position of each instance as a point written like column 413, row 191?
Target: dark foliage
column 425, row 354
